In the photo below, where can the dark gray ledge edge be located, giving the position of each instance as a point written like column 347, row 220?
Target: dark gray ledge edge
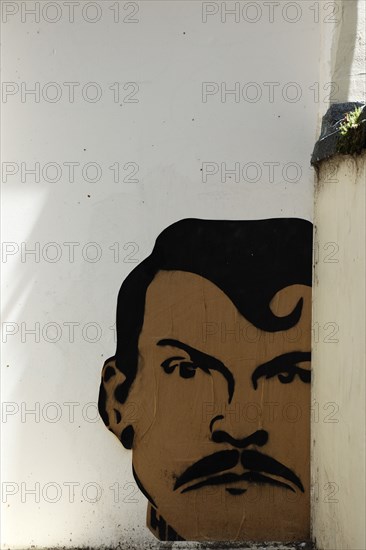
column 184, row 545
column 327, row 145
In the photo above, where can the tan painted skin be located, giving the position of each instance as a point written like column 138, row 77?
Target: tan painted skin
column 174, row 417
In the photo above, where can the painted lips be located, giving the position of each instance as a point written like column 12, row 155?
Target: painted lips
column 255, row 463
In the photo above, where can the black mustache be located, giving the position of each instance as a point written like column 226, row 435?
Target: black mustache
column 225, row 460
column 213, row 464
column 258, row 462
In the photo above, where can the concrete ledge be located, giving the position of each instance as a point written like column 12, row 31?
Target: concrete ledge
column 331, row 142
column 306, row 545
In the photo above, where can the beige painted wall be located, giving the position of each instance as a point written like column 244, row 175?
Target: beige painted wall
column 338, row 360
column 338, row 424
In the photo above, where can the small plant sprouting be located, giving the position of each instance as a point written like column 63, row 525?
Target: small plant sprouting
column 351, row 121
column 350, row 133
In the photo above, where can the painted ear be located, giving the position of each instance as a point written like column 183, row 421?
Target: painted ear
column 111, row 410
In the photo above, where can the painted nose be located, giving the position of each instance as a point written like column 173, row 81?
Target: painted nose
column 259, row 437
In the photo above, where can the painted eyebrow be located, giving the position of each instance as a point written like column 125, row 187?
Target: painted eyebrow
column 204, row 361
column 280, row 363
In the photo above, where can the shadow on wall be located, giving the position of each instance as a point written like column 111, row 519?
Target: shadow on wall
column 343, row 48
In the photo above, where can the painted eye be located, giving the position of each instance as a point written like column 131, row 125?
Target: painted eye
column 186, row 368
column 286, row 378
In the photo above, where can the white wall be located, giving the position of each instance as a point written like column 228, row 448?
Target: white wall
column 169, row 133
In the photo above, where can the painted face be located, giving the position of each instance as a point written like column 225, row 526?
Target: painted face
column 221, row 413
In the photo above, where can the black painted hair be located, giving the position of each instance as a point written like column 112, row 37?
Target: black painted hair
column 250, row 261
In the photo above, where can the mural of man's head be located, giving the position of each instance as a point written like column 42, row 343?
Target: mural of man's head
column 209, row 385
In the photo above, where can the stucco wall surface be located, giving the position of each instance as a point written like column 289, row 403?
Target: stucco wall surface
column 338, row 423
